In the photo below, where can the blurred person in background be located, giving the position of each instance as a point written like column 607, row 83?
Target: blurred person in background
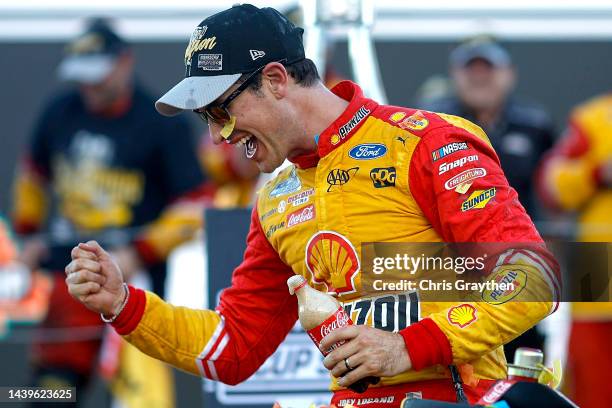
column 483, row 80
column 576, row 177
column 103, row 164
column 232, row 178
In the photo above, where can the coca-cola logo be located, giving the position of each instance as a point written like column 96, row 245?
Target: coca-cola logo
column 341, row 320
column 300, row 216
column 497, row 391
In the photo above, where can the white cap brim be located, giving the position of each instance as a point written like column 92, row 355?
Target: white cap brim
column 193, row 93
column 89, row 69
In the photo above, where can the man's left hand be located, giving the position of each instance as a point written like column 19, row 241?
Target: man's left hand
column 367, row 351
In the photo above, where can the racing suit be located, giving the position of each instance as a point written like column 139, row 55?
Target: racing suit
column 572, row 178
column 311, row 220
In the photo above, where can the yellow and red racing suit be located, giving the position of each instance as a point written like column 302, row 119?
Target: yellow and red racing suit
column 311, row 220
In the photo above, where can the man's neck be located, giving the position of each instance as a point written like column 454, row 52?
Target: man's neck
column 320, row 108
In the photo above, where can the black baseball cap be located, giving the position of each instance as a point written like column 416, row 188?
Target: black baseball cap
column 92, row 55
column 485, row 49
column 226, row 45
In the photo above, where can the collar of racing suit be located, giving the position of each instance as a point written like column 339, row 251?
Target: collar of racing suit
column 345, row 125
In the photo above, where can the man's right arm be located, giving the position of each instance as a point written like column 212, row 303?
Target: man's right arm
column 229, row 344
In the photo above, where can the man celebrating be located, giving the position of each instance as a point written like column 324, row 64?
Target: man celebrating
column 247, row 76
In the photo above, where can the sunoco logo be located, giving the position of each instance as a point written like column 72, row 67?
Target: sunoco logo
column 345, row 129
column 368, row 151
column 338, row 177
column 478, row 199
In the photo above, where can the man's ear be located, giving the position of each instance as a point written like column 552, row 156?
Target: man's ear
column 275, row 77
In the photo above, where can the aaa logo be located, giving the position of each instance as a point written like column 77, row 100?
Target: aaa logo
column 338, row 177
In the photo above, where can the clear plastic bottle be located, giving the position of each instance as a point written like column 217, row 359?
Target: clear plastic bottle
column 319, row 315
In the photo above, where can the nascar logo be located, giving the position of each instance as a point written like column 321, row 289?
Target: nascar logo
column 478, row 199
column 448, row 149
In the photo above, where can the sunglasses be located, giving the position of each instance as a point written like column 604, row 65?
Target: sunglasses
column 218, row 113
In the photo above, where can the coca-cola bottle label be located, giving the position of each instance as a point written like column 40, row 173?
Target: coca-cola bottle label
column 333, row 322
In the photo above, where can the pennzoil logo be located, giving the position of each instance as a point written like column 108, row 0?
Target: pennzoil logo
column 383, row 177
column 198, row 43
column 332, row 261
column 478, row 199
column 345, row 129
column 414, row 122
column 338, row 177
column 462, row 315
column 515, row 280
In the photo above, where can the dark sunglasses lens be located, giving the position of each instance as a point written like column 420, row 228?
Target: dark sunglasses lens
column 203, row 116
column 218, row 114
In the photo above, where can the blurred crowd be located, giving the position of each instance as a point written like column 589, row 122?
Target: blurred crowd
column 102, row 164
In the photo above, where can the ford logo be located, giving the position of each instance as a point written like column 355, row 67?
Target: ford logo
column 368, row 151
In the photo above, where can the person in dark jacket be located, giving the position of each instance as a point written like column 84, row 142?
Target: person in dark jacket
column 484, row 78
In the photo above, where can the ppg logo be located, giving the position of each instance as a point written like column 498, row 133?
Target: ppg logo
column 383, row 177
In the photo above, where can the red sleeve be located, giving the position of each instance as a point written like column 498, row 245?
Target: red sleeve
column 502, row 218
column 482, row 209
column 256, row 313
column 257, row 310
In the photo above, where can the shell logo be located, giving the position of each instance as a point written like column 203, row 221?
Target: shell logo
column 335, row 139
column 397, row 116
column 462, row 315
column 332, row 261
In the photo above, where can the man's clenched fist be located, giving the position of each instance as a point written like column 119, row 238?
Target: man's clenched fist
column 94, row 279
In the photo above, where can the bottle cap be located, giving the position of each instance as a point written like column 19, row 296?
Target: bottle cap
column 527, row 362
column 295, row 282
